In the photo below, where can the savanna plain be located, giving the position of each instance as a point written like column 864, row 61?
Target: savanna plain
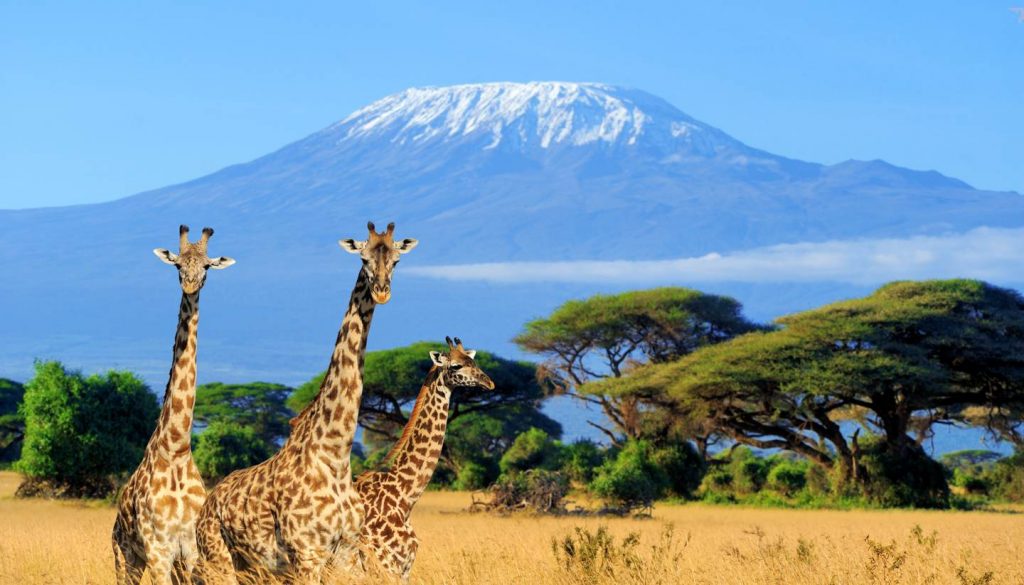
column 61, row 542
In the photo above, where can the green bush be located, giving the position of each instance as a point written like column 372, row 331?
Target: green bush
column 12, row 421
column 79, row 432
column 683, row 465
column 533, row 449
column 1007, row 478
column 632, row 479
column 581, row 459
column 226, row 446
column 472, row 476
column 909, row 478
column 788, row 477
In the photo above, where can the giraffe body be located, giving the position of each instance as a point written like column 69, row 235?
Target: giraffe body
column 290, row 514
column 389, row 495
column 157, row 510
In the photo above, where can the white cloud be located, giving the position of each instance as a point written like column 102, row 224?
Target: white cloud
column 994, row 254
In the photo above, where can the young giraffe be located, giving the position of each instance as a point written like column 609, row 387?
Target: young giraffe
column 156, row 512
column 289, row 514
column 389, row 495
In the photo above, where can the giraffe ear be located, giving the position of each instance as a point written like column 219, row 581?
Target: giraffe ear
column 406, row 245
column 438, row 358
column 221, row 263
column 471, row 353
column 166, row 255
column 351, row 246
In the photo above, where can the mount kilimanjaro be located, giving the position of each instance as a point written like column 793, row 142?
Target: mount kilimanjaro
column 490, row 172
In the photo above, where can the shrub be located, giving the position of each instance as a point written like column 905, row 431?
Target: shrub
column 1007, row 478
column 632, row 480
column 580, row 460
column 79, row 432
column 905, row 478
column 226, row 446
column 537, row 490
column 788, row 477
column 533, row 449
column 472, row 476
column 683, row 466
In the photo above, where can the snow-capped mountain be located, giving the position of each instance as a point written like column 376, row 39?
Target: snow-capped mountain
column 524, row 116
column 478, row 173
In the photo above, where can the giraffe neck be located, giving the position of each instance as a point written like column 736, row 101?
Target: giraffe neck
column 414, row 457
column 173, row 435
column 330, row 420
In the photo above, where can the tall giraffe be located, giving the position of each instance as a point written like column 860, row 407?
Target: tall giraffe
column 157, row 510
column 390, row 495
column 289, row 514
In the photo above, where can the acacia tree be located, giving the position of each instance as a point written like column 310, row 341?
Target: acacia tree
column 909, row 356
column 260, row 406
column 606, row 336
column 482, row 423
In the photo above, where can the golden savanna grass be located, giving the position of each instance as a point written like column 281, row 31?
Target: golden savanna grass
column 68, row 543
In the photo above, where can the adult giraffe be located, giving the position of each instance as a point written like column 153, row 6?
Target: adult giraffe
column 157, row 510
column 291, row 513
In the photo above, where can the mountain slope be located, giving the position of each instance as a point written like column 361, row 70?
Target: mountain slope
column 485, row 172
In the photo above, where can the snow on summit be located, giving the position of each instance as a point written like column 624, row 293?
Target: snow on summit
column 535, row 114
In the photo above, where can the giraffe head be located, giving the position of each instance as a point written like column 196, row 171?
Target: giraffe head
column 457, row 368
column 379, row 253
column 191, row 260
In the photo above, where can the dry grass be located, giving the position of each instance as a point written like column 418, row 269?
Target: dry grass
column 68, row 543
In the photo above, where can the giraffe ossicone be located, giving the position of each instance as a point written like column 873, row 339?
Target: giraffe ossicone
column 158, row 507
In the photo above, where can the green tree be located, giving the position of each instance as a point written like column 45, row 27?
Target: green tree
column 12, row 421
column 225, row 446
column 80, row 431
column 482, row 424
column 898, row 361
column 260, row 406
column 607, row 335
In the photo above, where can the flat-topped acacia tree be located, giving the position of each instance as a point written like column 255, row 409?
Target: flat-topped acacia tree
column 605, row 336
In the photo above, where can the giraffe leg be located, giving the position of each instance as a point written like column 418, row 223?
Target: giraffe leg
column 161, row 567
column 127, row 564
column 214, row 565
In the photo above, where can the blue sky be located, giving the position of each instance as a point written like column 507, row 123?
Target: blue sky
column 103, row 100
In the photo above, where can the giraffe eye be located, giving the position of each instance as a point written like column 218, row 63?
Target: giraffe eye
column 456, row 366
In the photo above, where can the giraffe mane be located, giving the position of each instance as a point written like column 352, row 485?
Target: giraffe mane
column 421, row 398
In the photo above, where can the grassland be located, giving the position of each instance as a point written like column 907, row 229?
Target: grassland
column 68, row 543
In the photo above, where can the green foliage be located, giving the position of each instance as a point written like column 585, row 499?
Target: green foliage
column 581, row 459
column 12, row 421
column 1007, row 478
column 788, row 477
column 80, row 431
column 473, row 476
column 226, row 446
column 906, row 479
column 605, row 335
column 259, row 406
column 533, row 449
column 683, row 466
column 632, row 479
column 482, row 424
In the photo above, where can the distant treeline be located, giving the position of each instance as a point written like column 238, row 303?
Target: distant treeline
column 825, row 407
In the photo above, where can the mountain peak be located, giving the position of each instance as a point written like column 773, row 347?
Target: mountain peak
column 530, row 115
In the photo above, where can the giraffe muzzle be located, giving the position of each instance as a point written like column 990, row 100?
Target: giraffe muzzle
column 382, row 294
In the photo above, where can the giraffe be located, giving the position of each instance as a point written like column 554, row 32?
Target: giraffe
column 290, row 513
column 390, row 494
column 156, row 511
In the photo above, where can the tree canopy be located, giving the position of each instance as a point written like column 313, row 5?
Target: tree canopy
column 392, row 379
column 909, row 356
column 80, row 431
column 605, row 336
column 260, row 406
